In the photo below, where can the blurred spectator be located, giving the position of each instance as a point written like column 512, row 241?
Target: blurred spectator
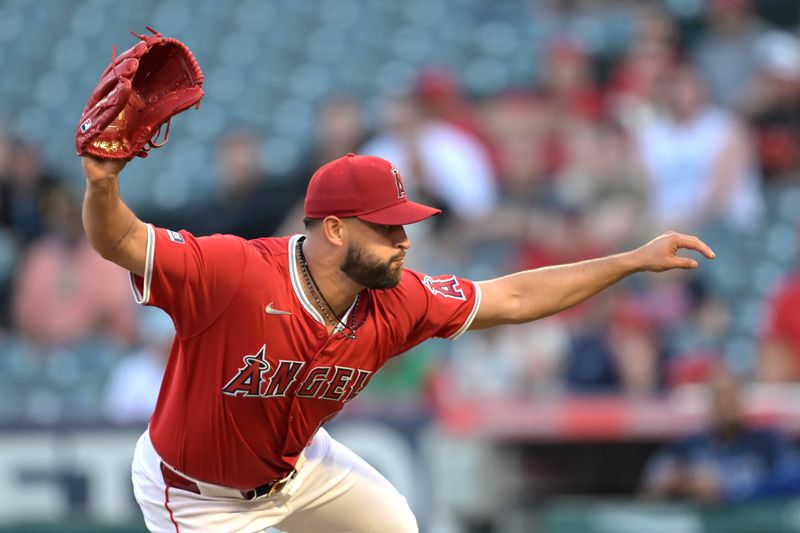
column 773, row 105
column 699, row 162
column 569, row 94
column 9, row 246
column 440, row 163
column 340, row 129
column 65, row 292
column 601, row 182
column 779, row 361
column 632, row 91
column 24, row 188
column 250, row 202
column 133, row 385
column 698, row 341
column 619, row 338
column 516, row 128
column 9, row 249
column 512, row 361
column 605, row 178
column 567, row 82
column 728, row 463
column 727, row 52
column 589, row 364
column 6, row 179
column 615, row 347
column 439, row 94
column 564, row 236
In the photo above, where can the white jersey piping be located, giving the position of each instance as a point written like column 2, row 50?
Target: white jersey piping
column 143, row 297
column 465, row 326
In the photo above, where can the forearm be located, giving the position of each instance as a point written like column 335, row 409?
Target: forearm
column 546, row 291
column 533, row 294
column 111, row 226
column 106, row 218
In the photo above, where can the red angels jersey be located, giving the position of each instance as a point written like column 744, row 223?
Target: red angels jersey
column 253, row 373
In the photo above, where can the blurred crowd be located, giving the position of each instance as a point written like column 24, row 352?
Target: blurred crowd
column 694, row 126
column 729, row 461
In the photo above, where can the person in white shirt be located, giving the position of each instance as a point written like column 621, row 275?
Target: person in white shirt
column 699, row 161
column 133, row 385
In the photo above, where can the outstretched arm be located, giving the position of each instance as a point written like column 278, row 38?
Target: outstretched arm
column 533, row 294
column 111, row 226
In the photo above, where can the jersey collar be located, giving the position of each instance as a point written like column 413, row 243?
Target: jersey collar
column 297, row 285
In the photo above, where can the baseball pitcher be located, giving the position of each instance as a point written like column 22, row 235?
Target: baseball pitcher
column 275, row 335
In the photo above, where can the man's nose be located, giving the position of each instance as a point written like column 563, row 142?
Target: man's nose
column 401, row 238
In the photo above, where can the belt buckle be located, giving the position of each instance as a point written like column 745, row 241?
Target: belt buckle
column 281, row 483
column 275, row 487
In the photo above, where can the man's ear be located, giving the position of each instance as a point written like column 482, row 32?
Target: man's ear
column 335, row 230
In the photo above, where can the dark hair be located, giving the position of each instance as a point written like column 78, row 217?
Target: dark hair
column 309, row 223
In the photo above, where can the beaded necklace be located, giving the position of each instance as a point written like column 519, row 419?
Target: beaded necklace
column 337, row 323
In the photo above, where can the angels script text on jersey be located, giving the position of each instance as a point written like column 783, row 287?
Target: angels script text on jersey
column 257, row 379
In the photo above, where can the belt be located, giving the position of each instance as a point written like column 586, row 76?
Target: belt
column 175, row 480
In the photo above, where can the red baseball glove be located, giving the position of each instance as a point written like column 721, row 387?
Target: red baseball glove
column 137, row 94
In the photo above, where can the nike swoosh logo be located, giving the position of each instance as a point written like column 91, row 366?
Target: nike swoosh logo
column 272, row 311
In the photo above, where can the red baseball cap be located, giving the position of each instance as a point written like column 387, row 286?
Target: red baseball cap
column 362, row 186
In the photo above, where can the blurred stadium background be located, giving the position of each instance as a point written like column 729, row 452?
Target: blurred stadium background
column 548, row 130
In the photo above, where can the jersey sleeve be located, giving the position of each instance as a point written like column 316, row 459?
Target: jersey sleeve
column 192, row 278
column 440, row 306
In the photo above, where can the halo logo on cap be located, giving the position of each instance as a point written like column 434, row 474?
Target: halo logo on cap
column 398, row 181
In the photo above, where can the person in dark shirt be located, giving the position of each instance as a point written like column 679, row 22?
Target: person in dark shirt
column 26, row 190
column 772, row 104
column 251, row 202
column 728, row 463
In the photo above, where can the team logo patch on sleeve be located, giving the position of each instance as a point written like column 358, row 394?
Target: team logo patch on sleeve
column 447, row 287
column 174, row 236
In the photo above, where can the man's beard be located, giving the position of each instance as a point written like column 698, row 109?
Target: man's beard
column 370, row 272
